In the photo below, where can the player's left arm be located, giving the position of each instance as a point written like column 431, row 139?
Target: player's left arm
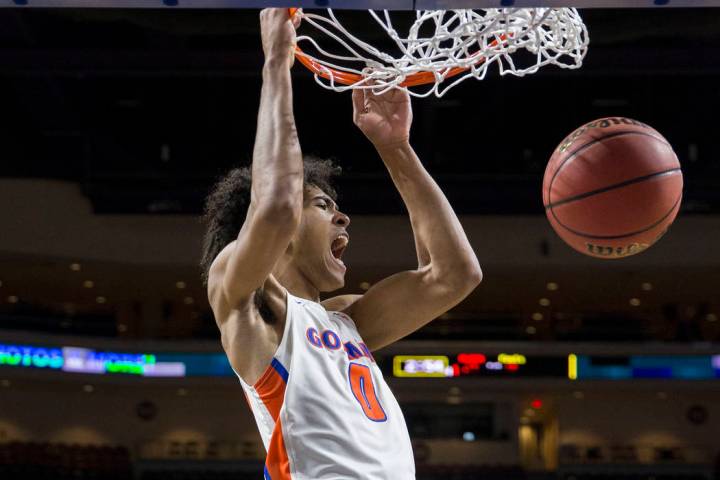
column 448, row 269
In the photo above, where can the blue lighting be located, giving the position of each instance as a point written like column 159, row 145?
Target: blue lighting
column 668, row 367
column 26, row 356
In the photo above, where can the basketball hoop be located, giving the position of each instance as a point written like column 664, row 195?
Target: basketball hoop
column 461, row 44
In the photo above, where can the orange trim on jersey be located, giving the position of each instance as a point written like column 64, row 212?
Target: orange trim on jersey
column 277, row 463
column 271, row 389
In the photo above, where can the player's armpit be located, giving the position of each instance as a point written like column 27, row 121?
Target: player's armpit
column 249, row 340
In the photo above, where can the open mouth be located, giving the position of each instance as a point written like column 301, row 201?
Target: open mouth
column 338, row 246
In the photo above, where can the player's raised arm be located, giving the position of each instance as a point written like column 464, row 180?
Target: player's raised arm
column 448, row 269
column 277, row 170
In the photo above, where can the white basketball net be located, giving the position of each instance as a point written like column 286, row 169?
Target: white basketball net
column 470, row 39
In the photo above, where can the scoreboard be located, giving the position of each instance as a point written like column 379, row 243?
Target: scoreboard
column 74, row 359
column 475, row 364
column 570, row 366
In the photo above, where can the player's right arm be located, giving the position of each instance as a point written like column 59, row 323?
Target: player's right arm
column 277, row 170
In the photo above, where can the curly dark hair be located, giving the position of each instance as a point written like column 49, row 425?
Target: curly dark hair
column 226, row 205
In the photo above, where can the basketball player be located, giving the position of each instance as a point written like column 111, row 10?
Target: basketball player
column 319, row 399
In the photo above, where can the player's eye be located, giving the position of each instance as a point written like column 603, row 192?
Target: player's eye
column 323, row 205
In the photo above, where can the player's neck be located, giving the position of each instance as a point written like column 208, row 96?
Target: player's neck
column 297, row 284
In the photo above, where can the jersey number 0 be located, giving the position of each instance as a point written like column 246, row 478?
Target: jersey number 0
column 363, row 389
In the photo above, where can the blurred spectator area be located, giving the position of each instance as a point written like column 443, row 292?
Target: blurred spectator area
column 165, row 460
column 57, row 461
column 573, row 454
column 559, row 326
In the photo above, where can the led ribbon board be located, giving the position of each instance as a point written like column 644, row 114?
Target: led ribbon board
column 667, row 367
column 86, row 360
column 73, row 359
column 25, row 356
column 477, row 365
column 420, row 365
column 573, row 367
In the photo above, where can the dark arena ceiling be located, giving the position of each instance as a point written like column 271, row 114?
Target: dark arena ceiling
column 146, row 108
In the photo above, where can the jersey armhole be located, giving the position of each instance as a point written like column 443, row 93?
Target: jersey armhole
column 278, row 350
column 346, row 318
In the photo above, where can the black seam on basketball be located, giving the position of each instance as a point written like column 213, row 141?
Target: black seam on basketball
column 585, row 146
column 616, row 237
column 613, row 187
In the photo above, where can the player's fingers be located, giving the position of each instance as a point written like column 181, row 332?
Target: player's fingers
column 375, row 100
column 358, row 98
column 270, row 16
column 275, row 15
column 296, row 17
column 387, row 96
column 394, row 95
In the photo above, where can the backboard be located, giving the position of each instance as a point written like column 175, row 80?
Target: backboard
column 358, row 4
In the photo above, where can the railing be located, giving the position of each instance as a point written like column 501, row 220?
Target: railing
column 571, row 454
column 199, row 450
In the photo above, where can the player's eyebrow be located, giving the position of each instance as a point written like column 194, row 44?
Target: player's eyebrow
column 327, row 200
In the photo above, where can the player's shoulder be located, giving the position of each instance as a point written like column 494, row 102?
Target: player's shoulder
column 273, row 293
column 221, row 259
column 340, row 303
column 215, row 275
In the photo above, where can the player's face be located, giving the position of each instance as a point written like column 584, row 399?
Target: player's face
column 321, row 240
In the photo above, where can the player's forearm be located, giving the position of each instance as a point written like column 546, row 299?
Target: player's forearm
column 277, row 168
column 438, row 232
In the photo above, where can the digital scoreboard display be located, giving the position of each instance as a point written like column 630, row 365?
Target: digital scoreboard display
column 478, row 365
column 669, row 367
column 86, row 360
column 73, row 359
column 572, row 367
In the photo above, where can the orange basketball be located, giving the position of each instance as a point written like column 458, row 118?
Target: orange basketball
column 612, row 188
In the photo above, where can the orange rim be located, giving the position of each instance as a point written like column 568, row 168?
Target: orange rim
column 347, row 78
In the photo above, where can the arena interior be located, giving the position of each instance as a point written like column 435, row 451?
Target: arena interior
column 116, row 123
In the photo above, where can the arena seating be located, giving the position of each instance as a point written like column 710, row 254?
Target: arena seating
column 46, row 461
column 620, row 476
column 51, row 461
column 434, row 472
column 199, row 475
column 470, row 472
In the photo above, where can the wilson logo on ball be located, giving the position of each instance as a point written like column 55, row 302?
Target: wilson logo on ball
column 602, row 123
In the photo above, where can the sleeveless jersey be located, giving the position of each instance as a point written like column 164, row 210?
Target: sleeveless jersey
column 322, row 406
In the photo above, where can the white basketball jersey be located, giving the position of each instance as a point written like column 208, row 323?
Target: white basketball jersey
column 322, row 406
